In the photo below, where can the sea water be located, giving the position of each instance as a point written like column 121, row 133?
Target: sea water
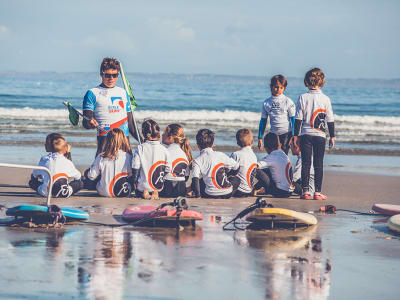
column 367, row 111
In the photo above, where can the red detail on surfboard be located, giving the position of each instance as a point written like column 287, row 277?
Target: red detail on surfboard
column 386, row 209
column 135, row 213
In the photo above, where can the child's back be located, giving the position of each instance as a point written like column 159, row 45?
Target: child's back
column 247, row 168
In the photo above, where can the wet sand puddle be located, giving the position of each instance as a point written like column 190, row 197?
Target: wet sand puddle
column 343, row 257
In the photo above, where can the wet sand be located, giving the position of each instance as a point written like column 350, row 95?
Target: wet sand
column 344, row 256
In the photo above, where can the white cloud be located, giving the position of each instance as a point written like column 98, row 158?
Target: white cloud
column 172, row 29
column 110, row 39
column 4, row 32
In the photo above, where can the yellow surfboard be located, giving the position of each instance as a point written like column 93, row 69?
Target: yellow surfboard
column 394, row 223
column 281, row 216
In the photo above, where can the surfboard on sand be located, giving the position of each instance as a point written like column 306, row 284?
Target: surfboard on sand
column 70, row 213
column 281, row 217
column 163, row 217
column 394, row 223
column 386, row 209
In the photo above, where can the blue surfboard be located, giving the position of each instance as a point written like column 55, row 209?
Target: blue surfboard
column 70, row 213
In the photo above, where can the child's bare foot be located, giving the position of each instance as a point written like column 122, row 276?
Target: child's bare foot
column 154, row 195
column 259, row 192
column 146, row 194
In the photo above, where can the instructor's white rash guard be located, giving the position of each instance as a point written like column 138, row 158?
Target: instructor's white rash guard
column 210, row 166
column 154, row 163
column 279, row 165
column 248, row 164
column 59, row 166
column 110, row 107
column 111, row 172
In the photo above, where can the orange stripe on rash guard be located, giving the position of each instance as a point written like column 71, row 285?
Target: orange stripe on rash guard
column 287, row 175
column 314, row 116
column 251, row 168
column 214, row 181
column 176, row 161
column 153, row 167
column 111, row 187
column 57, row 176
column 119, row 123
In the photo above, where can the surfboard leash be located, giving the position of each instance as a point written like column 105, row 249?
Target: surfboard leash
column 259, row 203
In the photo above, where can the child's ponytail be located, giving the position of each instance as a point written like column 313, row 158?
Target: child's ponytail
column 177, row 133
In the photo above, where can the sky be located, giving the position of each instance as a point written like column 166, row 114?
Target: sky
column 347, row 39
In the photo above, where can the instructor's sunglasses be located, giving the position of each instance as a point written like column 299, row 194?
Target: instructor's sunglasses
column 108, row 75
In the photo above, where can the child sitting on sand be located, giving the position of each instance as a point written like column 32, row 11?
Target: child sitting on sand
column 180, row 156
column 247, row 161
column 274, row 169
column 280, row 110
column 111, row 170
column 209, row 176
column 150, row 162
column 313, row 111
column 297, row 172
column 61, row 168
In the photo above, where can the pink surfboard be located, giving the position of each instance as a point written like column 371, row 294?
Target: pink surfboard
column 386, row 209
column 136, row 213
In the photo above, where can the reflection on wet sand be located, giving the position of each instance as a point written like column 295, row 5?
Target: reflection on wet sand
column 295, row 265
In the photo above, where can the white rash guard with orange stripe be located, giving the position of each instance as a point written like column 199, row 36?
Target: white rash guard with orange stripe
column 59, row 166
column 154, row 163
column 281, row 170
column 248, row 164
column 315, row 110
column 210, row 166
column 111, row 171
column 179, row 163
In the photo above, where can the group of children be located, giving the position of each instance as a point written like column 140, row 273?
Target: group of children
column 153, row 170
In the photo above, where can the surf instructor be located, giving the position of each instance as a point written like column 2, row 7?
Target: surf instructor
column 107, row 106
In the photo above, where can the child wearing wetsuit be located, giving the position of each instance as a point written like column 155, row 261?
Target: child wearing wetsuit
column 247, row 162
column 111, row 170
column 181, row 157
column 275, row 170
column 210, row 179
column 281, row 111
column 150, row 163
column 66, row 178
column 313, row 112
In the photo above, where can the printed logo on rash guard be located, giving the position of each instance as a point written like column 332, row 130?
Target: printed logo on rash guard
column 251, row 175
column 156, row 175
column 120, row 186
column 318, row 120
column 179, row 167
column 289, row 174
column 60, row 186
column 219, row 178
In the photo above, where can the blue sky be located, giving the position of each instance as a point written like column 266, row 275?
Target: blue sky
column 347, row 39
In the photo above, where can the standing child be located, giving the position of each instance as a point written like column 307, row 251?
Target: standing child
column 150, row 162
column 181, row 157
column 61, row 168
column 297, row 172
column 280, row 110
column 209, row 176
column 313, row 111
column 111, row 169
column 247, row 162
column 275, row 170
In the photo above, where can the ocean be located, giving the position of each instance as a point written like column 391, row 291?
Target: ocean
column 367, row 111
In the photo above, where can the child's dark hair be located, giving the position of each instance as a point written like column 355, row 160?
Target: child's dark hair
column 177, row 133
column 314, row 78
column 150, row 130
column 271, row 141
column 278, row 79
column 205, row 138
column 109, row 63
column 50, row 138
column 244, row 137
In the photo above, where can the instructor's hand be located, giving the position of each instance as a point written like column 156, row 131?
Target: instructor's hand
column 93, row 123
column 331, row 143
column 260, row 144
column 296, row 141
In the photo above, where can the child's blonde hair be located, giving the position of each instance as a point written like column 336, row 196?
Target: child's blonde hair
column 314, row 78
column 115, row 140
column 244, row 137
column 178, row 135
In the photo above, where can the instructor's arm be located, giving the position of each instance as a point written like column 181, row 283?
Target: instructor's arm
column 89, row 105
